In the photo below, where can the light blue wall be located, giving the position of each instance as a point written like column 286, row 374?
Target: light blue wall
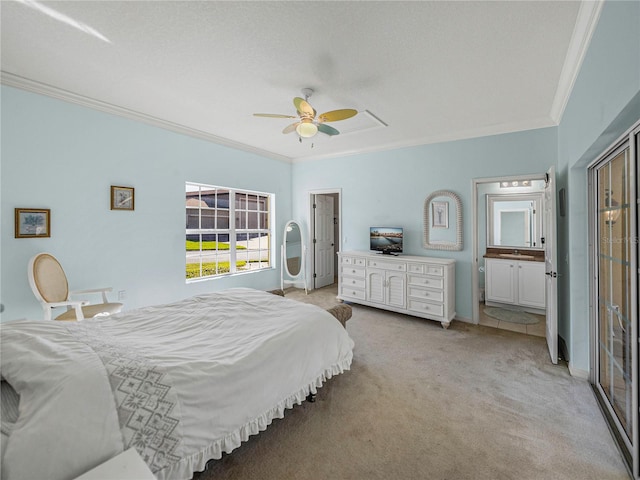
column 65, row 157
column 389, row 188
column 604, row 103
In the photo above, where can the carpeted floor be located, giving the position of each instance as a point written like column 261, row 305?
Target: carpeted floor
column 421, row 402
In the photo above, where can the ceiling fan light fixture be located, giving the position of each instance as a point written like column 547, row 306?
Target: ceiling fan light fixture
column 310, row 122
column 307, row 129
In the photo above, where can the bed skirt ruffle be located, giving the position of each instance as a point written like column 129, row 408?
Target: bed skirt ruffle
column 185, row 468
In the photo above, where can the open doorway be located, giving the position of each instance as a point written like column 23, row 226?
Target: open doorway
column 513, row 249
column 325, row 228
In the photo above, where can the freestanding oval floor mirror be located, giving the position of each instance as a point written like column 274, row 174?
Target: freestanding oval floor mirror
column 293, row 254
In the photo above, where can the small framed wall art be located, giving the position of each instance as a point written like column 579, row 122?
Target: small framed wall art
column 440, row 215
column 122, row 198
column 33, row 222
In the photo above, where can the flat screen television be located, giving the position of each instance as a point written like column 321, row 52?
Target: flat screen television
column 386, row 240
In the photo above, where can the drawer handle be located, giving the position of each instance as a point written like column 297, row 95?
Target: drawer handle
column 353, row 271
column 353, row 281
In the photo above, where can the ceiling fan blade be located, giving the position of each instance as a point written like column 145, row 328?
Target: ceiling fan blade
column 290, row 128
column 273, row 115
column 304, row 107
column 335, row 115
column 327, row 129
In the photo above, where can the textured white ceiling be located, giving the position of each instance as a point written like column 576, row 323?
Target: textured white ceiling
column 432, row 71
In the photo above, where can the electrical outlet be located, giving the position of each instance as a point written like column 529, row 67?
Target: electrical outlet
column 122, row 294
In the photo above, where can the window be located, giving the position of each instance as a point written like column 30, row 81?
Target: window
column 227, row 231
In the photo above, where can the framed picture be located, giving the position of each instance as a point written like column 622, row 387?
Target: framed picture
column 439, row 214
column 33, row 222
column 122, row 198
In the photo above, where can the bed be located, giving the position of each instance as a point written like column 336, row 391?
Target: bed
column 181, row 383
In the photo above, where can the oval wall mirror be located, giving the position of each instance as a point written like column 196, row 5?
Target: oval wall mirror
column 293, row 253
column 443, row 221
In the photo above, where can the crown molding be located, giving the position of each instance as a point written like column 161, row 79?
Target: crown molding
column 488, row 131
column 586, row 22
column 33, row 86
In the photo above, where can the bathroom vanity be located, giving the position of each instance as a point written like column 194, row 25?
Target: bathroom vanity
column 515, row 278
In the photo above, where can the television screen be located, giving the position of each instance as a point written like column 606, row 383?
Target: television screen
column 386, row 239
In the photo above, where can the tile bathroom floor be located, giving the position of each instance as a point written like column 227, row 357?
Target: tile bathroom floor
column 537, row 329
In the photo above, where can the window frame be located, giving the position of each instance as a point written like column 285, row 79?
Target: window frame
column 234, row 229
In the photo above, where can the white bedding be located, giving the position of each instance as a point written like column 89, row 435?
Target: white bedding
column 181, row 383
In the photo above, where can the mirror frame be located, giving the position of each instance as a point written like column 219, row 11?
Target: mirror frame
column 285, row 254
column 284, row 267
column 492, row 198
column 450, row 246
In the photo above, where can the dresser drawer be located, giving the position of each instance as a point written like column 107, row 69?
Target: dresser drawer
column 435, row 309
column 351, row 282
column 352, row 271
column 416, row 268
column 353, row 261
column 435, row 270
column 425, row 269
column 398, row 267
column 346, row 291
column 426, row 294
column 424, row 281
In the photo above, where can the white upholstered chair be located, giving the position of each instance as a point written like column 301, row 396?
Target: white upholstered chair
column 49, row 284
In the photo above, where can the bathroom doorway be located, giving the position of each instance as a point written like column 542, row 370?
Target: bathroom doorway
column 514, row 231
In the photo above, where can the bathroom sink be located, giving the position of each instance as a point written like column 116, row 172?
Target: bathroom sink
column 516, row 256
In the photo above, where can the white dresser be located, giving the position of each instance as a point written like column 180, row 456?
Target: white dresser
column 420, row 286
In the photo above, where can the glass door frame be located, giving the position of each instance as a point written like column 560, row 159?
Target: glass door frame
column 628, row 446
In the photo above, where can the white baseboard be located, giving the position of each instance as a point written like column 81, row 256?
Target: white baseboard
column 578, row 372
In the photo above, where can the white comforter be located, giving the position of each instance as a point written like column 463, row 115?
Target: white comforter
column 181, row 383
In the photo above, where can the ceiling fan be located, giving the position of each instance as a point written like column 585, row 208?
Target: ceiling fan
column 308, row 125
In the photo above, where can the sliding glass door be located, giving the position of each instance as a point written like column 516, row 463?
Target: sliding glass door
column 615, row 291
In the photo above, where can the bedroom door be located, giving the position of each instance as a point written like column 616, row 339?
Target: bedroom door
column 551, row 264
column 323, row 241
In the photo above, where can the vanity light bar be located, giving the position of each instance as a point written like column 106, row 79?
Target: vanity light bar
column 515, row 183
